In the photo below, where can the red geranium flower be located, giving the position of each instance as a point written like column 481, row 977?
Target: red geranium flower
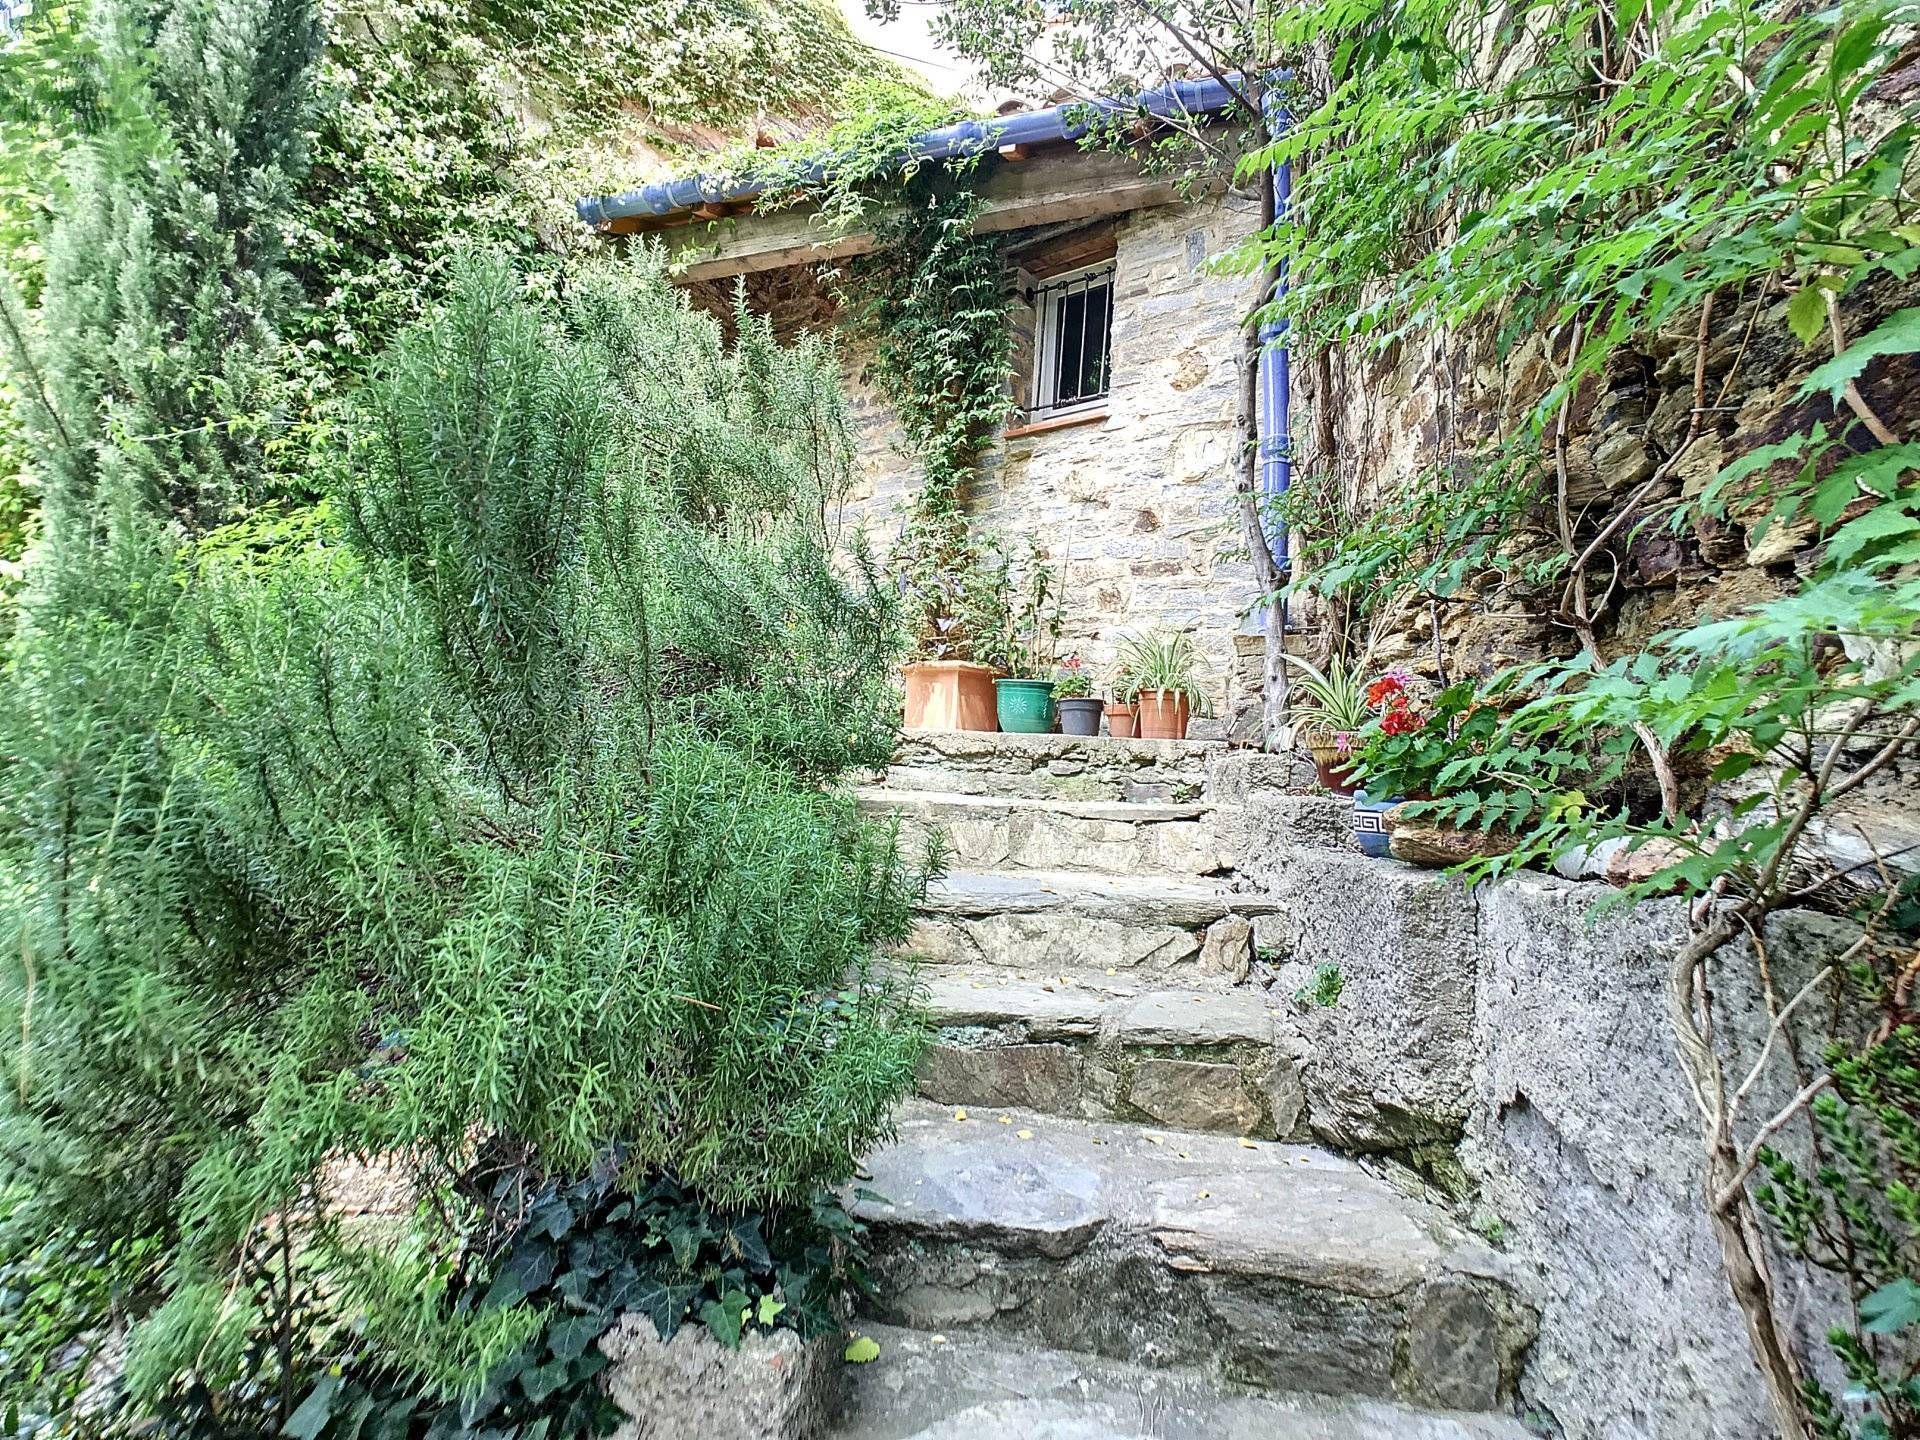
column 1398, row 720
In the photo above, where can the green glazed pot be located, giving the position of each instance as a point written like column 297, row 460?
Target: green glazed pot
column 1024, row 707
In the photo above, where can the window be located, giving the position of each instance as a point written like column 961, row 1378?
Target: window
column 1072, row 342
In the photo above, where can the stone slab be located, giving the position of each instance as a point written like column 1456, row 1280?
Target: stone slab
column 1103, row 1047
column 1129, row 899
column 972, row 1386
column 1013, row 833
column 1063, row 766
column 1194, row 1017
column 1276, row 1265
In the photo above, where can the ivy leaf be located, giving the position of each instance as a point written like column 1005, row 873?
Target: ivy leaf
column 311, row 1417
column 542, row 1380
column 1898, row 334
column 745, row 1234
column 769, row 1311
column 568, row 1339
column 1891, row 1308
column 664, row 1304
column 862, row 1350
column 722, row 1317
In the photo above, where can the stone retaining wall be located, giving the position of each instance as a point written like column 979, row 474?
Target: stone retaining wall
column 1514, row 1021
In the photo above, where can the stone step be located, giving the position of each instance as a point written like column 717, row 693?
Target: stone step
column 1278, row 1266
column 1065, row 767
column 1002, row 832
column 1094, row 1046
column 975, row 1386
column 1069, row 920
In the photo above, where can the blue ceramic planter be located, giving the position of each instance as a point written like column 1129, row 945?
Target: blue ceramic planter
column 1370, row 822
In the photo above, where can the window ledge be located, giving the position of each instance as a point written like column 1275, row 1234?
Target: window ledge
column 1057, row 422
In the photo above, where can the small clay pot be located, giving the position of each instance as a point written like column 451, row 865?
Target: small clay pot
column 1163, row 714
column 1120, row 722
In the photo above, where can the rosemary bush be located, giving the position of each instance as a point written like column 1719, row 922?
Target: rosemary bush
column 472, row 823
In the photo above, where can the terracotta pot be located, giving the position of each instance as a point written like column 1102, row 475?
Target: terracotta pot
column 1333, row 768
column 949, row 695
column 1120, row 722
column 1163, row 714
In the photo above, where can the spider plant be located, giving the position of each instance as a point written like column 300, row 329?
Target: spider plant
column 1335, row 700
column 1160, row 660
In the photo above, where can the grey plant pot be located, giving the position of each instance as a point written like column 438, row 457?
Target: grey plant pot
column 1080, row 715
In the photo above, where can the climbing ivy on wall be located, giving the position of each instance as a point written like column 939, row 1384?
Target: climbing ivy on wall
column 932, row 304
column 932, row 298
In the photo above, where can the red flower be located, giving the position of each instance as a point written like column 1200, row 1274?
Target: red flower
column 1398, row 720
column 1386, row 690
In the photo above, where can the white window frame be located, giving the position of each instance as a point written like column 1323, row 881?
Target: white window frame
column 1049, row 298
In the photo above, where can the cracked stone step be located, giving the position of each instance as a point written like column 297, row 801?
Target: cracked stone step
column 974, row 1386
column 1000, row 832
column 1278, row 1266
column 1038, row 918
column 1097, row 1046
column 1066, row 767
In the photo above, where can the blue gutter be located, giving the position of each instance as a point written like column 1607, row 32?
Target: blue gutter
column 952, row 142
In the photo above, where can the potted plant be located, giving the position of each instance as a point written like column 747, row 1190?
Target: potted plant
column 1447, row 780
column 1120, row 716
column 1159, row 673
column 1073, row 694
column 953, row 589
column 1330, row 715
column 1023, row 696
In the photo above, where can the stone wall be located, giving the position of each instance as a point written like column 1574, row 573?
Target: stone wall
column 1513, row 1021
column 1369, row 425
column 1135, row 513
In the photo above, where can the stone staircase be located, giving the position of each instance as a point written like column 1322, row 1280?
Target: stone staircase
column 1103, row 1158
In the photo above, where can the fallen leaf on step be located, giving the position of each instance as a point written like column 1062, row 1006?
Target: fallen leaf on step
column 938, row 1339
column 1246, row 1144
column 960, row 1114
column 1203, row 1195
column 1112, row 971
column 1024, row 1134
column 1184, row 1155
column 863, row 1349
column 1152, row 1139
column 1004, row 1119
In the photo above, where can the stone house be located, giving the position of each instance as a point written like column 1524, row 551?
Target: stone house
column 1122, row 458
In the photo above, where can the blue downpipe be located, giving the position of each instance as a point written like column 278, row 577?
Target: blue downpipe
column 1275, row 443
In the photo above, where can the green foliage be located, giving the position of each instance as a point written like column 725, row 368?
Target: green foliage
column 1855, row 1213
column 1160, row 659
column 954, row 583
column 58, row 1290
column 163, row 276
column 312, row 844
column 1332, row 701
column 932, row 303
column 1324, row 989
column 582, row 1256
column 453, row 122
column 1575, row 180
column 1029, row 637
